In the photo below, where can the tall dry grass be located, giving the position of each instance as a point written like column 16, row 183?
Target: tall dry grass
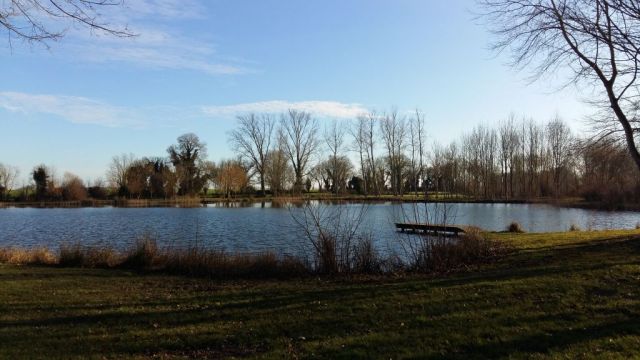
column 219, row 264
column 443, row 255
column 145, row 255
column 361, row 258
column 37, row 256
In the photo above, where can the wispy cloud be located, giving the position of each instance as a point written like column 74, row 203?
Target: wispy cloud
column 82, row 110
column 172, row 9
column 331, row 109
column 78, row 110
column 167, row 56
column 160, row 42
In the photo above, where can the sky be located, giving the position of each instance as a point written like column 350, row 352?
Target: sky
column 196, row 64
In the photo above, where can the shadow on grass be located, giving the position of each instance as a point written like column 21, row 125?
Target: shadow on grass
column 555, row 261
column 483, row 313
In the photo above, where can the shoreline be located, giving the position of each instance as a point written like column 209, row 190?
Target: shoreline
column 204, row 201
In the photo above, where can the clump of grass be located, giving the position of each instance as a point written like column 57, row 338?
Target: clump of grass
column 143, row 255
column 219, row 264
column 574, row 227
column 90, row 257
column 71, row 256
column 448, row 255
column 327, row 257
column 37, row 256
column 366, row 259
column 102, row 258
column 515, row 227
column 638, row 225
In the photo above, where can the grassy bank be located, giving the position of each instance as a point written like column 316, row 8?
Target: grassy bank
column 560, row 295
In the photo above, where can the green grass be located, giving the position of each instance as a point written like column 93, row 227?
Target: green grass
column 564, row 295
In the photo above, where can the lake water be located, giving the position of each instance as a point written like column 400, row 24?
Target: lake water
column 259, row 227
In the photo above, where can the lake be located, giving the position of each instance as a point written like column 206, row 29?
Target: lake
column 260, row 227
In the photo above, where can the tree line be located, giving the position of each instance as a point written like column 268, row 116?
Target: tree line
column 595, row 43
column 375, row 154
column 523, row 159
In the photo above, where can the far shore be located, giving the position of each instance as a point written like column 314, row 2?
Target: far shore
column 574, row 202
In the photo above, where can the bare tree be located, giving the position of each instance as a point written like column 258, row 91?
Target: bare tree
column 470, row 151
column 453, row 168
column 137, row 179
column 358, row 133
column 298, row 136
column 30, row 20
column 394, row 132
column 210, row 173
column 8, row 175
column 368, row 122
column 509, row 144
column 278, row 172
column 73, row 188
column 599, row 40
column 534, row 155
column 559, row 142
column 318, row 175
column 608, row 178
column 117, row 171
column 335, row 173
column 334, row 138
column 417, row 144
column 231, row 177
column 252, row 140
column 47, row 20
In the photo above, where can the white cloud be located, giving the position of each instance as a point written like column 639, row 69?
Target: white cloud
column 158, row 57
column 78, row 110
column 82, row 110
column 160, row 41
column 332, row 109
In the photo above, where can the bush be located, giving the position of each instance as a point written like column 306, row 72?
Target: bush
column 327, row 257
column 515, row 227
column 102, row 258
column 574, row 227
column 451, row 254
column 366, row 258
column 143, row 255
column 71, row 256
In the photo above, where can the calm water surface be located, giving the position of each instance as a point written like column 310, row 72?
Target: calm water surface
column 256, row 228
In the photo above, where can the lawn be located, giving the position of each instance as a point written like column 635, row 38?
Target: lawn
column 562, row 295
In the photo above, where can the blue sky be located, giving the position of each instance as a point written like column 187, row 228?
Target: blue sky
column 196, row 63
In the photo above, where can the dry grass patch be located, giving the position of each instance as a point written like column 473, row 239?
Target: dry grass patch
column 37, row 256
